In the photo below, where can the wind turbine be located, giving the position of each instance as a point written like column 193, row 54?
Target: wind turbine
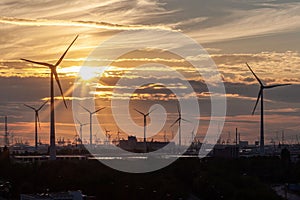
column 53, row 75
column 107, row 135
column 261, row 97
column 91, row 122
column 80, row 128
column 145, row 115
column 118, row 134
column 165, row 136
column 96, row 138
column 36, row 120
column 193, row 135
column 179, row 124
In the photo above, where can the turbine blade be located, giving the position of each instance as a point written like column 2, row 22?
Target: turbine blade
column 78, row 121
column 255, row 75
column 151, row 111
column 178, row 110
column 38, row 63
column 98, row 110
column 175, row 122
column 258, row 97
column 62, row 57
column 42, row 106
column 38, row 119
column 276, row 85
column 85, row 109
column 186, row 120
column 29, row 107
column 139, row 112
column 59, row 85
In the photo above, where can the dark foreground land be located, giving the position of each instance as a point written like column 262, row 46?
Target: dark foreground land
column 187, row 178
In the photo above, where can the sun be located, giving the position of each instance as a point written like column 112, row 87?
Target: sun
column 85, row 73
column 88, row 73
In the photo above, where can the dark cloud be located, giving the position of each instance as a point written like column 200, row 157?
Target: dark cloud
column 248, row 79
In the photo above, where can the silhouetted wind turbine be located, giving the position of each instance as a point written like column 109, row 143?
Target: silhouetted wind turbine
column 37, row 120
column 118, row 134
column 96, row 138
column 53, row 74
column 80, row 128
column 193, row 135
column 261, row 97
column 145, row 115
column 179, row 124
column 91, row 122
column 107, row 135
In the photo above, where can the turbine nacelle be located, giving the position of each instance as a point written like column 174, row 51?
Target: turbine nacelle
column 53, row 68
column 145, row 114
column 81, row 124
column 262, row 87
column 36, row 110
column 179, row 118
column 90, row 112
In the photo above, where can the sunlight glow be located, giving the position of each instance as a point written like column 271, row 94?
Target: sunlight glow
column 69, row 71
column 87, row 72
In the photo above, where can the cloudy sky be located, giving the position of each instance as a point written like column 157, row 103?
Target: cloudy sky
column 263, row 33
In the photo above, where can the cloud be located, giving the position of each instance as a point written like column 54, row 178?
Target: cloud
column 41, row 30
column 283, row 110
column 88, row 24
column 271, row 67
column 260, row 20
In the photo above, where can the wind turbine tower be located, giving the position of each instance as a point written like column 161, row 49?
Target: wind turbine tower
column 107, row 140
column 118, row 134
column 193, row 135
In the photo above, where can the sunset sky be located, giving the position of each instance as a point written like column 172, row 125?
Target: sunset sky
column 263, row 33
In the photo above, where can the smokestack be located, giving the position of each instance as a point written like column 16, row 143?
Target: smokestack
column 236, row 136
column 282, row 136
column 5, row 121
column 6, row 133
